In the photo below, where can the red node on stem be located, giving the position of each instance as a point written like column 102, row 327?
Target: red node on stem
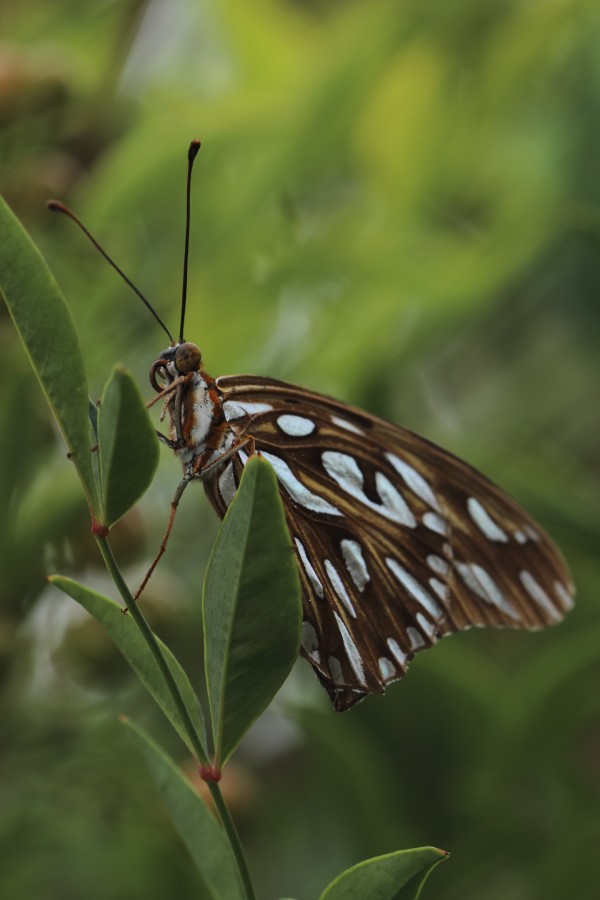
column 99, row 528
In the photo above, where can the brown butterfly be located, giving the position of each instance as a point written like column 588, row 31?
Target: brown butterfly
column 397, row 541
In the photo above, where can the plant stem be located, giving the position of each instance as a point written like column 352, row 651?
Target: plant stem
column 153, row 645
column 234, row 839
column 155, row 649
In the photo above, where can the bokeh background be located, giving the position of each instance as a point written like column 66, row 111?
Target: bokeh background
column 397, row 204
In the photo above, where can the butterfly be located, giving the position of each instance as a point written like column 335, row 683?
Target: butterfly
column 397, row 541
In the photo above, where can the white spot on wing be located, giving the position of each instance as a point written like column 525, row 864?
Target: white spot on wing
column 435, row 523
column 393, row 501
column 415, row 481
column 537, row 592
column 298, row 491
column 414, row 588
column 345, row 471
column 482, row 584
column 338, row 586
column 355, row 563
column 386, row 667
column 396, row 652
column 520, row 537
column 563, row 594
column 296, row 426
column 427, row 627
column 312, row 575
column 310, row 642
column 438, row 565
column 484, row 521
column 416, row 638
column 227, row 487
column 352, row 651
column 335, row 669
column 349, row 426
column 236, row 409
column 439, row 588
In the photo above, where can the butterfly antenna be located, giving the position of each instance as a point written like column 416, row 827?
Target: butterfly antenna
column 192, row 153
column 57, row 206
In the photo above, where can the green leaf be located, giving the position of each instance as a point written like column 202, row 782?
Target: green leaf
column 46, row 328
column 127, row 637
column 395, row 876
column 97, row 475
column 128, row 445
column 251, row 608
column 196, row 826
column 93, row 417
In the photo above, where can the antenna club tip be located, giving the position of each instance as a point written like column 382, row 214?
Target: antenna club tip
column 194, row 147
column 55, row 205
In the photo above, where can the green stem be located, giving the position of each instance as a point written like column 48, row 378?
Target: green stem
column 154, row 647
column 140, row 620
column 234, row 839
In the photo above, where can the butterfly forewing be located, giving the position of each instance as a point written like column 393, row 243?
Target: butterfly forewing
column 398, row 542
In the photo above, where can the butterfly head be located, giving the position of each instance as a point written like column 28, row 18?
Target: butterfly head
column 187, row 358
column 179, row 359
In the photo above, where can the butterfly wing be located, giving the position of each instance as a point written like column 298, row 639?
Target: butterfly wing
column 398, row 542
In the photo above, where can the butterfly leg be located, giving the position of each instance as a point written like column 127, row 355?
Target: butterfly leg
column 163, row 546
column 179, row 441
column 178, row 415
column 171, row 444
column 175, row 384
column 208, row 469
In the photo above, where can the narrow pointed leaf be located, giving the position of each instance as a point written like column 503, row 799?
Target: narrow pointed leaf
column 93, row 417
column 128, row 639
column 46, row 328
column 395, row 876
column 128, row 445
column 197, row 828
column 251, row 608
column 96, row 473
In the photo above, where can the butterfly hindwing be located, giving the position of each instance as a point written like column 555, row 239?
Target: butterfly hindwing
column 398, row 542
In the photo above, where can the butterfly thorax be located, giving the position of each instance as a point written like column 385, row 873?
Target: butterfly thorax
column 198, row 432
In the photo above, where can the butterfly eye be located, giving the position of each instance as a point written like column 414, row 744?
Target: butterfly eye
column 187, row 358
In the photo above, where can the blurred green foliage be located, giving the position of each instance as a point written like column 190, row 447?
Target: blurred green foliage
column 396, row 204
